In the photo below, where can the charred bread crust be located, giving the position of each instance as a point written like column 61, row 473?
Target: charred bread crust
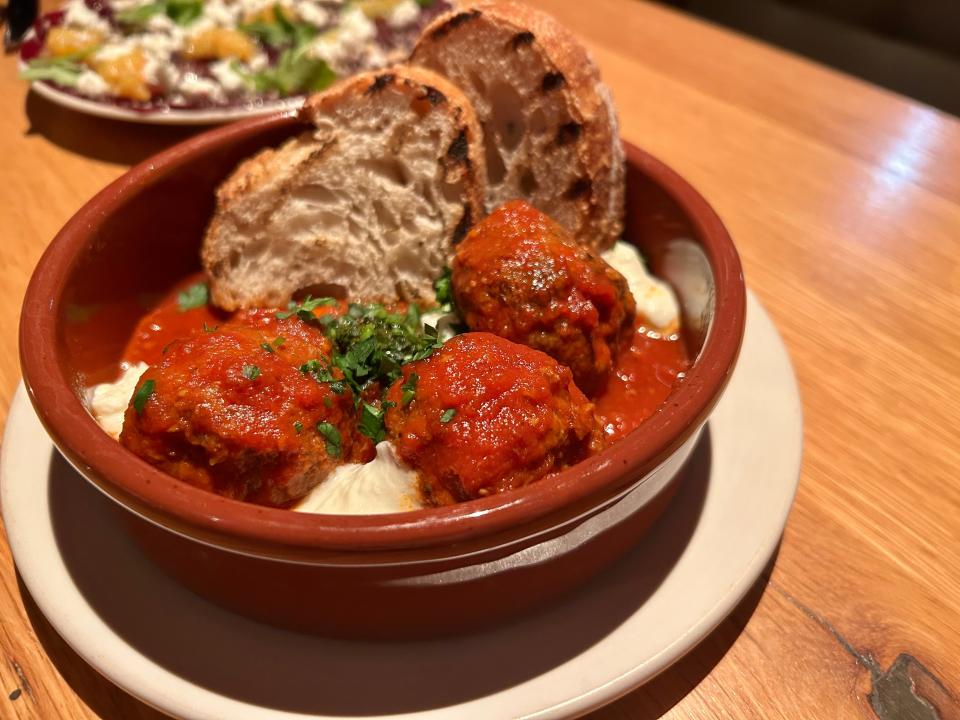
column 434, row 92
column 271, row 171
column 593, row 130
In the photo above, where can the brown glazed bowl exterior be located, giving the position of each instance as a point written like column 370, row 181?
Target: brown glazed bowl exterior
column 141, row 234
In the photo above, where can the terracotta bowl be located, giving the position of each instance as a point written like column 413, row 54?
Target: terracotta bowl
column 413, row 574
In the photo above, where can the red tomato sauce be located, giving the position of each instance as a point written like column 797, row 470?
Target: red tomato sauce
column 643, row 378
column 644, row 375
column 168, row 322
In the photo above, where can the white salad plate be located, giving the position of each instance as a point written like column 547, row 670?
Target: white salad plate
column 191, row 659
column 205, row 116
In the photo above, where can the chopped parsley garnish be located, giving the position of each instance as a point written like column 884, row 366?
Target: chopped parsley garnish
column 448, row 415
column 409, row 389
column 184, row 12
column 320, row 372
column 139, row 15
column 298, row 426
column 413, row 315
column 371, row 344
column 323, row 374
column 194, row 296
column 371, row 422
column 332, row 436
column 305, row 309
column 296, row 71
column 251, row 372
column 142, row 395
column 272, row 346
column 443, row 286
column 208, row 329
column 281, row 31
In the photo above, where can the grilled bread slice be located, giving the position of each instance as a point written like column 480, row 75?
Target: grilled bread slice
column 550, row 129
column 367, row 203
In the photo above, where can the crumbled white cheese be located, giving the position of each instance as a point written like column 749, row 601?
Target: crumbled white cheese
column 313, row 13
column 161, row 23
column 161, row 45
column 254, row 7
column 168, row 77
column 109, row 401
column 198, row 27
column 346, row 42
column 220, row 13
column 114, row 50
column 381, row 486
column 223, row 71
column 197, row 86
column 90, row 83
column 258, row 62
column 403, row 14
column 655, row 299
column 78, row 15
column 121, row 5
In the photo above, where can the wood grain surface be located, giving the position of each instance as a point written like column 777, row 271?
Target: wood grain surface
column 844, row 201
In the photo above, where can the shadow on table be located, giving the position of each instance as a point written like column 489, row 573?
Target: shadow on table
column 313, row 675
column 655, row 698
column 114, row 141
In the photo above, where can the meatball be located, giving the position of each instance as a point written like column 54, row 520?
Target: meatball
column 519, row 275
column 250, row 410
column 483, row 415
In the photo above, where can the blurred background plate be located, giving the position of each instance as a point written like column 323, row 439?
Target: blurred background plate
column 206, row 116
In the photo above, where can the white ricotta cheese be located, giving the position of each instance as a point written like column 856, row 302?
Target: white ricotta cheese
column 655, row 298
column 383, row 485
column 444, row 322
column 403, row 14
column 109, row 401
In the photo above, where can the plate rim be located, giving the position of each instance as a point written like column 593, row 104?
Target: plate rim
column 171, row 116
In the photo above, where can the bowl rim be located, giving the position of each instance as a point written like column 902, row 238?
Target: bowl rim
column 191, row 511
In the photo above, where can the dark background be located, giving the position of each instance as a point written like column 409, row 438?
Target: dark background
column 909, row 46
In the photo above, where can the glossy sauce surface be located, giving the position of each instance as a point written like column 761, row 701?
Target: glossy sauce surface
column 168, row 322
column 483, row 414
column 644, row 375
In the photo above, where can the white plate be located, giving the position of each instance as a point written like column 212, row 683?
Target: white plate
column 191, row 659
column 208, row 116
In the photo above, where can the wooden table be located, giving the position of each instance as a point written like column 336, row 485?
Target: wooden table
column 844, row 201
